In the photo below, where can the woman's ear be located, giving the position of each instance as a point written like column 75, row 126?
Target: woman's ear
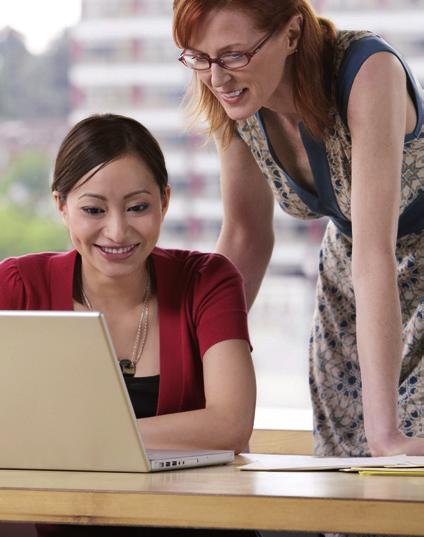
column 60, row 206
column 165, row 200
column 294, row 31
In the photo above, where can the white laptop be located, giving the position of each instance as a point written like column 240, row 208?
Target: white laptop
column 64, row 404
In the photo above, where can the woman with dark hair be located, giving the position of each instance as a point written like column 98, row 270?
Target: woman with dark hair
column 329, row 123
column 177, row 318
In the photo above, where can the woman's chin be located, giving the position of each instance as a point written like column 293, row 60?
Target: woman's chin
column 238, row 114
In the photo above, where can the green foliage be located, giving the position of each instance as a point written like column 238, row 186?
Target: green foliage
column 23, row 233
column 24, row 202
column 32, row 87
column 25, row 181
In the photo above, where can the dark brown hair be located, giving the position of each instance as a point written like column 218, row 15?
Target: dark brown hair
column 312, row 68
column 99, row 139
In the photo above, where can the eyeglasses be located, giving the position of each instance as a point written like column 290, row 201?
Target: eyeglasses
column 231, row 60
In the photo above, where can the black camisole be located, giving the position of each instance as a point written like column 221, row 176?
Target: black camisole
column 144, row 394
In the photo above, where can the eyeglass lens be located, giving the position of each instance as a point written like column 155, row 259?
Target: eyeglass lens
column 230, row 61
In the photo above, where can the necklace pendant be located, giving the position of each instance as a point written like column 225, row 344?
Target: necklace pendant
column 127, row 367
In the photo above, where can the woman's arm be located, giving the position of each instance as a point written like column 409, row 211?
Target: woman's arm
column 226, row 421
column 247, row 236
column 377, row 121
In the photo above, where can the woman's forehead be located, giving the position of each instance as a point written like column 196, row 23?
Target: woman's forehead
column 222, row 28
column 127, row 168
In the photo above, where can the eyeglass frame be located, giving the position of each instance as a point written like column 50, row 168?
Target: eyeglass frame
column 218, row 60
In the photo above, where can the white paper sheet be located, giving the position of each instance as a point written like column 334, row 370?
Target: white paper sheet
column 296, row 463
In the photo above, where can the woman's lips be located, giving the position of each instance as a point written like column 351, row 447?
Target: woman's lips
column 233, row 97
column 116, row 252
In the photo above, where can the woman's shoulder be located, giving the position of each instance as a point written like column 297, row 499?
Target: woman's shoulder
column 187, row 261
column 9, row 272
column 345, row 38
column 13, row 266
column 14, row 276
column 31, row 263
column 23, row 276
column 352, row 49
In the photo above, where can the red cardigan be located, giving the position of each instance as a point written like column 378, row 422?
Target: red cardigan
column 200, row 297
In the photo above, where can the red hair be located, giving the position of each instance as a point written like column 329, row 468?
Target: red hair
column 312, row 70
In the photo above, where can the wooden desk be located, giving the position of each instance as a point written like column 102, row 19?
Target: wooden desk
column 219, row 497
column 281, row 441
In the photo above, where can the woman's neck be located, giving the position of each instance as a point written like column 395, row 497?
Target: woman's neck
column 104, row 292
column 282, row 102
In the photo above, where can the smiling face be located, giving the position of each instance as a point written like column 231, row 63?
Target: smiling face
column 265, row 81
column 114, row 218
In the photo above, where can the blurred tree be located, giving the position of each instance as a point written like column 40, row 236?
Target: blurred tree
column 25, row 181
column 33, row 86
column 48, row 79
column 23, row 233
column 14, row 59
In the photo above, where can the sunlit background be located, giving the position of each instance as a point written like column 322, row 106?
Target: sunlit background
column 63, row 60
column 39, row 22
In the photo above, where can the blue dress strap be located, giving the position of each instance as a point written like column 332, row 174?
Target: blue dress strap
column 412, row 218
column 359, row 51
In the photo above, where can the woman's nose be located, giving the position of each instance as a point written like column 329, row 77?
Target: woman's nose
column 219, row 76
column 116, row 228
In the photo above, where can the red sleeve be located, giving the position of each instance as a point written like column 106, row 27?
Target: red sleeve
column 12, row 290
column 220, row 311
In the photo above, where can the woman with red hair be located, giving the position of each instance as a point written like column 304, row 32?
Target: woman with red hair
column 329, row 123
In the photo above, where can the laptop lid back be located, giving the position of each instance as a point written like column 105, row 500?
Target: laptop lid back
column 63, row 402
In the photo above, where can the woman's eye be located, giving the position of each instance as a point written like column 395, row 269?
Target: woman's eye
column 138, row 208
column 92, row 210
column 232, row 56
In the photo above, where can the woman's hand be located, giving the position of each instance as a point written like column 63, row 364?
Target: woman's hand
column 395, row 444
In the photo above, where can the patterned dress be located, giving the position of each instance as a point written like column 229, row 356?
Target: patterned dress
column 334, row 369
